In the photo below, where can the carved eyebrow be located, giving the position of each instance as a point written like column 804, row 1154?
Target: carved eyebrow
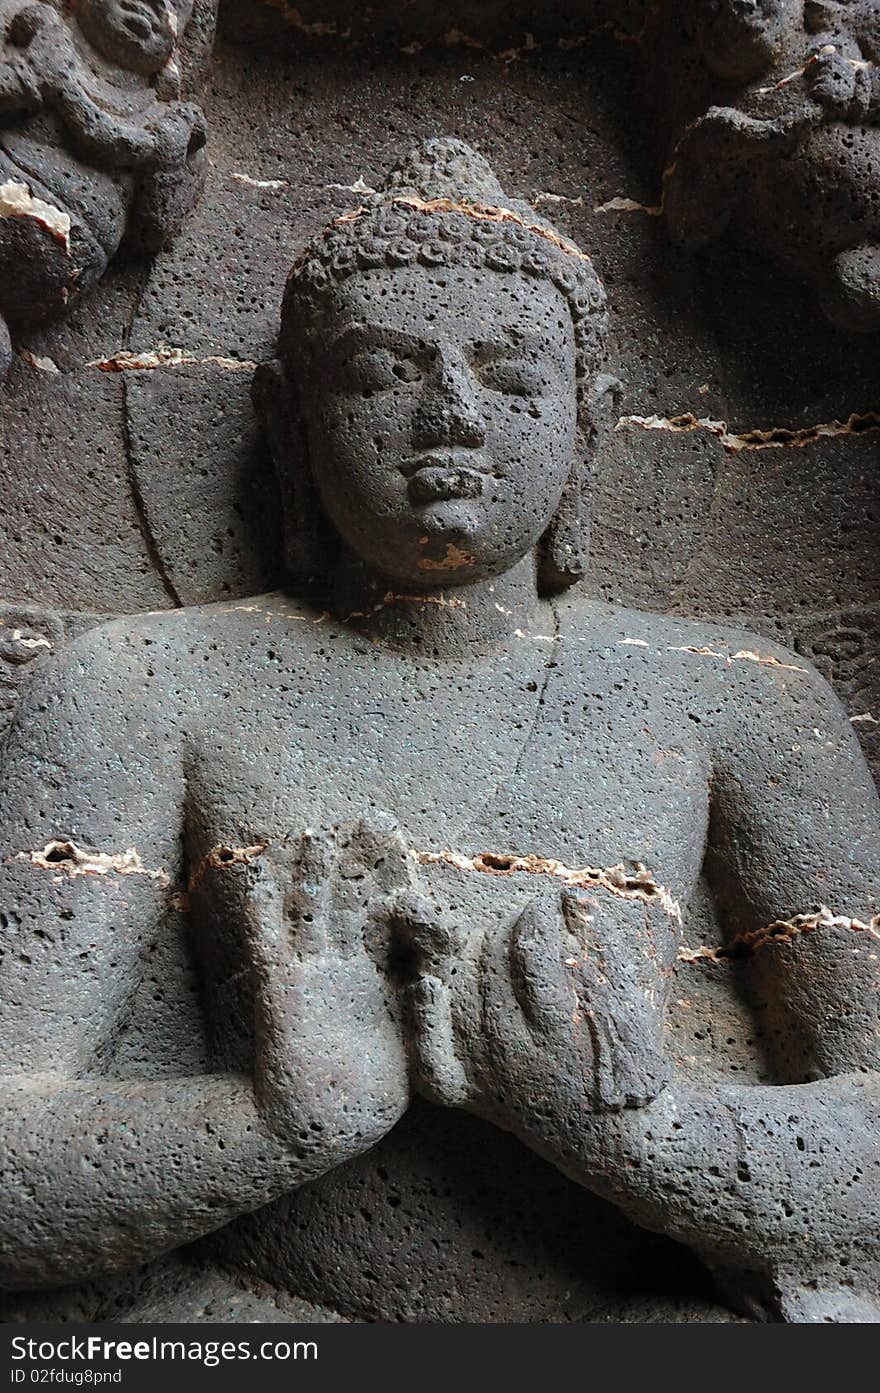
column 513, row 342
column 376, row 336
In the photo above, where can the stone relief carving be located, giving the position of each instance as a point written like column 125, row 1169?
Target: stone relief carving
column 97, row 149
column 432, row 822
column 784, row 152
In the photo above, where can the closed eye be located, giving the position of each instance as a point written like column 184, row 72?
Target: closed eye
column 513, row 376
column 381, row 369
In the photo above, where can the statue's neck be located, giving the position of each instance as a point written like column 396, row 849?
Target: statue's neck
column 444, row 623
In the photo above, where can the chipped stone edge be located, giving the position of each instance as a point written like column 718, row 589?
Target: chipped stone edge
column 617, row 880
column 39, row 363
column 746, row 944
column 856, row 425
column 66, row 857
column 165, row 356
column 17, row 201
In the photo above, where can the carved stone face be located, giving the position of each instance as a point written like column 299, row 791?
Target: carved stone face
column 135, row 34
column 440, row 410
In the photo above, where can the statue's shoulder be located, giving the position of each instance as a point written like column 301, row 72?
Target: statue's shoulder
column 594, row 624
column 695, row 657
column 167, row 657
column 179, row 634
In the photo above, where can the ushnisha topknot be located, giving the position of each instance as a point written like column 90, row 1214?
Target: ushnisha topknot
column 443, row 206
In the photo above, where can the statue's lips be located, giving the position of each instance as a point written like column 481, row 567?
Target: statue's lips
column 444, row 474
column 435, row 483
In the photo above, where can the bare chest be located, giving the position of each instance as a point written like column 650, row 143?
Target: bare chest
column 524, row 759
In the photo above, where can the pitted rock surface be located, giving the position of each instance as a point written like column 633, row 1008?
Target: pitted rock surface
column 452, row 818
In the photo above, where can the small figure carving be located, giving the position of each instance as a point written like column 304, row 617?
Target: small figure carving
column 96, row 147
column 786, row 156
column 436, row 824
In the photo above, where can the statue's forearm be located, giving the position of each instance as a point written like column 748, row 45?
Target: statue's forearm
column 114, row 142
column 740, row 1173
column 19, row 90
column 98, row 1175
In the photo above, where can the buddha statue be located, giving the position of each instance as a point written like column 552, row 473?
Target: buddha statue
column 97, row 151
column 432, row 822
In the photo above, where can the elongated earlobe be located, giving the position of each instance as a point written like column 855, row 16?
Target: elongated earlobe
column 305, row 550
column 565, row 548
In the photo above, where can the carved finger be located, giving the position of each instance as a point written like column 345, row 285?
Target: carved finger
column 627, row 1072
column 374, row 841
column 621, row 1064
column 437, row 1071
column 536, row 970
column 264, row 923
column 307, row 903
column 422, row 935
column 577, row 914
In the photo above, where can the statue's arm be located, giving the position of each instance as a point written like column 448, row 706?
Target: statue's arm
column 795, row 861
column 99, row 1172
column 160, row 141
column 772, row 1185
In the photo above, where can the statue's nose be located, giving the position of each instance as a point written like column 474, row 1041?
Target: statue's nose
column 448, row 412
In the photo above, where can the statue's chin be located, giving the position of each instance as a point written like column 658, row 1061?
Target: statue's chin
column 451, row 563
column 446, row 542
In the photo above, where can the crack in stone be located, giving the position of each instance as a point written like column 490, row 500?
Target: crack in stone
column 359, row 186
column 746, row 944
column 617, row 880
column 140, row 507
column 278, row 614
column 630, row 205
column 774, row 438
column 546, row 197
column 318, row 29
column 273, row 184
column 456, row 38
column 746, row 655
column 68, row 858
column 824, row 51
column 138, row 502
column 743, row 655
column 164, row 356
column 638, row 885
column 542, row 696
column 390, row 598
